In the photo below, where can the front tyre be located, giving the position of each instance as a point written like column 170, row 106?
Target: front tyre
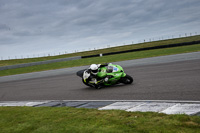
column 127, row 79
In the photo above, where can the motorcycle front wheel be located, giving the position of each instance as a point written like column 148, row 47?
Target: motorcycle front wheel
column 127, row 79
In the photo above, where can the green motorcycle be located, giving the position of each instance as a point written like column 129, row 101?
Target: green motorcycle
column 106, row 76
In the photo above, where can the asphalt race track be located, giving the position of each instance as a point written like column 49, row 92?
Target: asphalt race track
column 176, row 80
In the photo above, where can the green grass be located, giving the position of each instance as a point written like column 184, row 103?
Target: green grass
column 104, row 59
column 107, row 50
column 73, row 120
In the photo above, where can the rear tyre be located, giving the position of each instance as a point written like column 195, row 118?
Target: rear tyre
column 80, row 73
column 86, row 83
column 127, row 79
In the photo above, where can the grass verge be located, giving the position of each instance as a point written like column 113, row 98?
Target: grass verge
column 104, row 59
column 65, row 119
column 106, row 50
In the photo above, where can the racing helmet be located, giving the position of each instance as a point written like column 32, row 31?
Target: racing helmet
column 94, row 69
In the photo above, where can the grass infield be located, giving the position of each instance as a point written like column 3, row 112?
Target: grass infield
column 74, row 120
column 106, row 50
column 104, row 59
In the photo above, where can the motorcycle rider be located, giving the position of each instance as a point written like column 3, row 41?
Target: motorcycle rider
column 90, row 75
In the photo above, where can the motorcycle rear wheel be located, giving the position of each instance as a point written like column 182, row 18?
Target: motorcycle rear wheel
column 86, row 83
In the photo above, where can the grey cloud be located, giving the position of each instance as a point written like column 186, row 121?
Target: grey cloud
column 4, row 27
column 68, row 22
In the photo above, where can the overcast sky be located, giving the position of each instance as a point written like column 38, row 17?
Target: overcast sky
column 39, row 27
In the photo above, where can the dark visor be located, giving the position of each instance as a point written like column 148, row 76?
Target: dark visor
column 95, row 71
